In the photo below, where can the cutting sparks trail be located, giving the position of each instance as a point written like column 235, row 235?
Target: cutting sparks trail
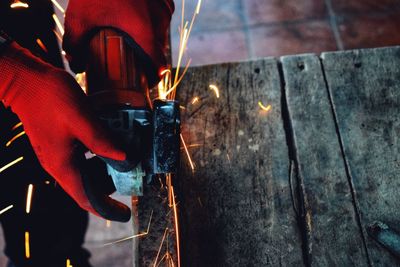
column 191, row 146
column 57, row 5
column 167, row 88
column 195, row 100
column 11, row 164
column 58, row 23
column 42, row 46
column 14, row 138
column 19, row 124
column 133, row 236
column 29, row 199
column 187, row 153
column 266, row 108
column 27, row 246
column 68, row 263
column 167, row 91
column 19, row 4
column 168, row 258
column 161, row 245
column 178, row 252
column 6, row 209
column 170, row 192
column 58, row 36
column 215, row 89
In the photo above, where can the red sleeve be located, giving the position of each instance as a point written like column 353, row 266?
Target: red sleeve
column 145, row 21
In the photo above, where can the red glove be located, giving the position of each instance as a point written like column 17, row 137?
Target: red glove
column 146, row 22
column 56, row 117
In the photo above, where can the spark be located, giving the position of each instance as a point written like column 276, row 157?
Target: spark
column 169, row 185
column 14, row 138
column 198, row 7
column 167, row 88
column 16, row 126
column 176, row 227
column 164, row 84
column 57, row 5
column 159, row 249
column 266, row 108
column 6, row 209
column 58, row 23
column 167, row 91
column 192, row 145
column 215, row 89
column 185, row 34
column 58, row 36
column 168, row 258
column 41, row 44
column 19, row 4
column 166, row 71
column 161, row 260
column 81, row 80
column 27, row 246
column 187, row 153
column 47, row 182
column 195, row 100
column 11, row 164
column 29, row 198
column 182, row 47
column 68, row 263
column 134, row 236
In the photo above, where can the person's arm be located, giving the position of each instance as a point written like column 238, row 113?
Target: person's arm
column 52, row 106
column 144, row 22
column 58, row 122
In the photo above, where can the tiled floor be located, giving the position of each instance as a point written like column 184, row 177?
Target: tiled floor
column 247, row 29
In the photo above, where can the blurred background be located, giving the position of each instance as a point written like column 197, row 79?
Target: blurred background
column 247, row 29
column 237, row 30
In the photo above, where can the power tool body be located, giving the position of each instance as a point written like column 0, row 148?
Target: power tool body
column 148, row 131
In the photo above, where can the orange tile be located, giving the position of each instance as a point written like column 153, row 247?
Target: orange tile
column 310, row 37
column 365, row 31
column 363, row 6
column 214, row 47
column 263, row 11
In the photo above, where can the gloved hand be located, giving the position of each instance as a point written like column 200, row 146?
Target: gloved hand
column 58, row 122
column 146, row 22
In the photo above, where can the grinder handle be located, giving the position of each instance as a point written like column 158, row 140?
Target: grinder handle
column 114, row 74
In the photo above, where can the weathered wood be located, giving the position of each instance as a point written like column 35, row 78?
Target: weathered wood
column 334, row 237
column 154, row 201
column 236, row 207
column 365, row 89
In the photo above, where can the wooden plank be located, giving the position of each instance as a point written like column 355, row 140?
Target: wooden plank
column 365, row 89
column 236, row 207
column 152, row 246
column 334, row 237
